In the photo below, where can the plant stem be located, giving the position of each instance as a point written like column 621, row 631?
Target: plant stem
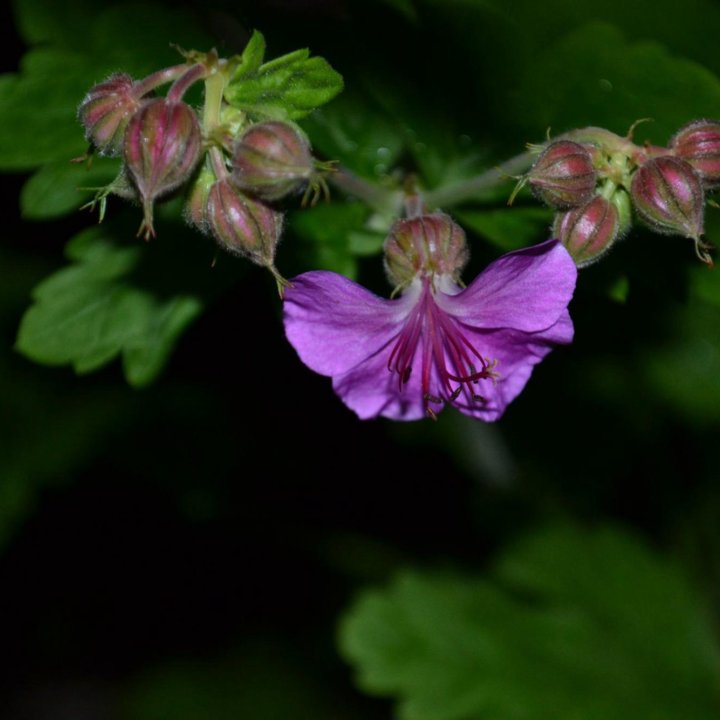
column 380, row 199
column 470, row 188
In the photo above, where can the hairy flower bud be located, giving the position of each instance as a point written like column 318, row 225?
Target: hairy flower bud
column 426, row 245
column 698, row 143
column 162, row 146
column 588, row 232
column 668, row 195
column 243, row 226
column 105, row 112
column 563, row 176
column 195, row 210
column 271, row 160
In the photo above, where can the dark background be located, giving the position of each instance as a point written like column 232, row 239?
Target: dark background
column 226, row 514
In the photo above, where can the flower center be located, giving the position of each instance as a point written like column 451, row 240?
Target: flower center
column 444, row 351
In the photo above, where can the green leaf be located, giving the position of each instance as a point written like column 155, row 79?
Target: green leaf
column 601, row 78
column 338, row 234
column 572, row 625
column 509, row 228
column 682, row 372
column 45, row 21
column 355, row 131
column 262, row 680
column 89, row 313
column 61, row 187
column 38, row 109
column 291, row 86
column 252, row 56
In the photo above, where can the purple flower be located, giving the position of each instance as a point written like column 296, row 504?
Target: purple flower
column 474, row 348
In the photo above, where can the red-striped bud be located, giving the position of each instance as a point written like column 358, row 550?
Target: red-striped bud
column 161, row 149
column 588, row 232
column 668, row 195
column 430, row 244
column 105, row 112
column 271, row 160
column 563, row 176
column 241, row 225
column 698, row 143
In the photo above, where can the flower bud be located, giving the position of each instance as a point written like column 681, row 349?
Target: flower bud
column 588, row 232
column 271, row 160
column 429, row 244
column 698, row 143
column 162, row 146
column 563, row 176
column 105, row 112
column 668, row 195
column 243, row 226
column 195, row 210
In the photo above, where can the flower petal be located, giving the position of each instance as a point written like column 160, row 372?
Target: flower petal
column 525, row 290
column 371, row 390
column 334, row 324
column 516, row 353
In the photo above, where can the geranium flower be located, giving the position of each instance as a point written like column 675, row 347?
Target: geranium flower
column 404, row 359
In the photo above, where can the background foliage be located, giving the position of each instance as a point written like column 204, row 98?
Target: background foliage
column 182, row 528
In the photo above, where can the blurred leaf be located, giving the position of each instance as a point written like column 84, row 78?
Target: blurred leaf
column 600, row 78
column 429, row 127
column 38, row 106
column 683, row 371
column 405, row 7
column 572, row 625
column 264, row 681
column 61, row 187
column 338, row 233
column 291, row 86
column 90, row 312
column 44, row 21
column 355, row 131
column 509, row 229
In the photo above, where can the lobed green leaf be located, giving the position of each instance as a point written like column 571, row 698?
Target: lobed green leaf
column 60, row 187
column 571, row 625
column 291, row 86
column 90, row 312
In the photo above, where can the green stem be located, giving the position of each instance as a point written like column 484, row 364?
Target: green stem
column 471, row 188
column 214, row 88
column 382, row 200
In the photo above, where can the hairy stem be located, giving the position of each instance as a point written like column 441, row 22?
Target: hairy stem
column 380, row 199
column 470, row 188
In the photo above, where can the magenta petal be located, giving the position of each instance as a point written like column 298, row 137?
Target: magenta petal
column 334, row 324
column 371, row 390
column 404, row 359
column 526, row 290
column 516, row 353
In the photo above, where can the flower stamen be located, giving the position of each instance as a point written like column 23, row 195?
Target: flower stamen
column 446, row 352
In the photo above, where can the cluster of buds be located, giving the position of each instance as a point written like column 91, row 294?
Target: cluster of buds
column 235, row 171
column 595, row 179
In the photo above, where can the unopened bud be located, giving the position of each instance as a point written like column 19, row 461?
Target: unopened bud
column 563, row 176
column 698, row 143
column 271, row 160
column 243, row 226
column 429, row 244
column 195, row 210
column 668, row 195
column 588, row 232
column 105, row 112
column 162, row 146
